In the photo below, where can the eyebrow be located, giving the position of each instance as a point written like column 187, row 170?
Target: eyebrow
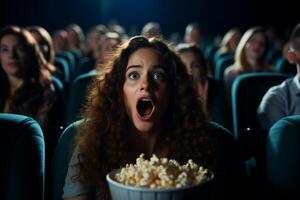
column 158, row 66
column 133, row 66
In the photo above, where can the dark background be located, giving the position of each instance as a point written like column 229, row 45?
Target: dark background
column 215, row 16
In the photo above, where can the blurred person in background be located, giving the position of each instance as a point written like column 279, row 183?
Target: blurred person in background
column 75, row 38
column 193, row 34
column 94, row 36
column 60, row 41
column 151, row 29
column 45, row 43
column 105, row 49
column 210, row 91
column 283, row 100
column 250, row 56
column 230, row 42
column 26, row 85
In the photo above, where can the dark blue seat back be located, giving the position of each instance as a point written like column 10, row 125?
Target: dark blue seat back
column 63, row 65
column 246, row 94
column 283, row 159
column 22, row 158
column 61, row 158
column 78, row 95
column 70, row 58
column 209, row 54
column 85, row 65
column 58, row 116
column 221, row 64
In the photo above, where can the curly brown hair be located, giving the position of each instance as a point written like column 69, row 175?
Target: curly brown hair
column 103, row 137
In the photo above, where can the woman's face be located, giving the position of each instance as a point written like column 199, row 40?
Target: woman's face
column 105, row 50
column 13, row 55
column 189, row 58
column 93, row 39
column 255, row 46
column 108, row 46
column 146, row 91
column 60, row 41
column 73, row 39
column 194, row 36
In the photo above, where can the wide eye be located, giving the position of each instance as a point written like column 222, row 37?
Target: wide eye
column 133, row 75
column 159, row 76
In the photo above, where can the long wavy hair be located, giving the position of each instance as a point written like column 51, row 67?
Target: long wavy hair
column 46, row 46
column 79, row 37
column 240, row 56
column 36, row 78
column 46, row 40
column 102, row 138
column 225, row 43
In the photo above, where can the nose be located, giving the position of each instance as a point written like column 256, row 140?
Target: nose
column 146, row 82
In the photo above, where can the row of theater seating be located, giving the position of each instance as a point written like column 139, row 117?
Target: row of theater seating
column 219, row 62
column 74, row 68
column 23, row 164
column 70, row 100
column 247, row 92
column 72, row 64
column 281, row 66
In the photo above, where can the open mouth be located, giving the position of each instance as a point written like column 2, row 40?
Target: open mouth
column 145, row 108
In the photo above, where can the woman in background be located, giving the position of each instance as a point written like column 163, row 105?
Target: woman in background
column 250, row 56
column 45, row 43
column 26, row 85
column 209, row 90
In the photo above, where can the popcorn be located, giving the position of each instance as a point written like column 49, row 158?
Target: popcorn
column 162, row 173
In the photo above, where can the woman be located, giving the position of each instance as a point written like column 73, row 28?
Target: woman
column 60, row 41
column 145, row 103
column 229, row 42
column 250, row 56
column 26, row 86
column 209, row 90
column 105, row 48
column 75, row 38
column 94, row 36
column 45, row 43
